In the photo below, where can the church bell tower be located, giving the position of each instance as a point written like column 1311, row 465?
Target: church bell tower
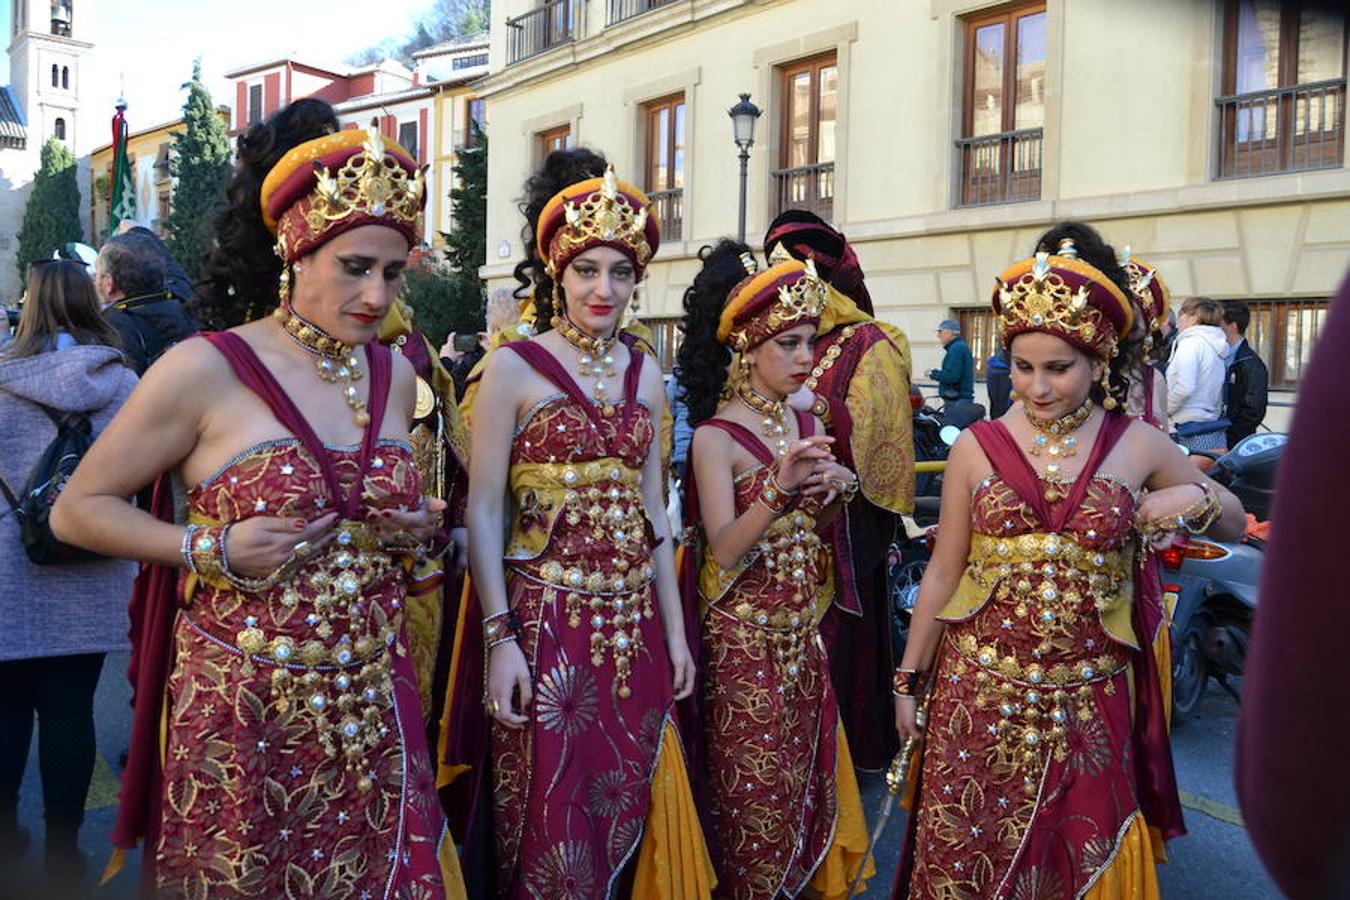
column 48, row 53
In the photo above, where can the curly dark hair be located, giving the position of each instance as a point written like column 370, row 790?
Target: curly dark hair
column 240, row 271
column 561, row 168
column 702, row 360
column 1093, row 249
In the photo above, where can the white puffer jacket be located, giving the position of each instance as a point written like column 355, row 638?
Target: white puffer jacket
column 1195, row 375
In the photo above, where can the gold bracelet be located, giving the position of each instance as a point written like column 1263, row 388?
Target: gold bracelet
column 907, row 682
column 1195, row 519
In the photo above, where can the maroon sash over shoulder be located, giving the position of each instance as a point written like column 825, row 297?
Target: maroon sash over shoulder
column 155, row 594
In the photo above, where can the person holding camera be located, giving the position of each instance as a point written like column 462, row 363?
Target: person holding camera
column 64, row 363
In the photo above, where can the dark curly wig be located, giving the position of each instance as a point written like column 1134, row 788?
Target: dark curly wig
column 240, row 271
column 561, row 168
column 701, row 362
column 1093, row 249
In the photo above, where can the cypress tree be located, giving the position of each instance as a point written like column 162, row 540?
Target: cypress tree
column 200, row 163
column 52, row 216
column 449, row 297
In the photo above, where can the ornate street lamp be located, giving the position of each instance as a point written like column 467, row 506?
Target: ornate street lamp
column 743, row 116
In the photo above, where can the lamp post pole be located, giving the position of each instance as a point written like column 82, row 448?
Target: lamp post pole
column 743, row 116
column 745, row 176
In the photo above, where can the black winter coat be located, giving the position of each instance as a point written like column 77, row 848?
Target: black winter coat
column 1248, row 382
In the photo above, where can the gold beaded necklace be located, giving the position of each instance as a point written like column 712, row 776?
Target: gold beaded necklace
column 597, row 356
column 774, row 425
column 1056, row 436
column 335, row 361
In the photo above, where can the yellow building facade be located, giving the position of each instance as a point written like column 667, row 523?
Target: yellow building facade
column 943, row 136
column 455, row 104
column 148, row 152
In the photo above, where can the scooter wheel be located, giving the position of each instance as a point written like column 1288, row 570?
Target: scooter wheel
column 1190, row 670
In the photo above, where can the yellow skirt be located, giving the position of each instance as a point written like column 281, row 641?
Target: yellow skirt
column 673, row 861
column 1131, row 875
column 848, row 851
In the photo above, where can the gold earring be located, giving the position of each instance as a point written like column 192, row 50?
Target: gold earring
column 284, row 287
column 1014, row 396
column 634, row 303
column 1108, row 402
column 559, row 304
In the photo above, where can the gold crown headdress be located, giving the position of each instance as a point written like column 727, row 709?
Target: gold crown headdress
column 1063, row 296
column 771, row 302
column 606, row 213
column 370, row 182
column 337, row 181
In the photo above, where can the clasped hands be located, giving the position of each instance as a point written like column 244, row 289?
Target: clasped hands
column 262, row 546
column 809, row 468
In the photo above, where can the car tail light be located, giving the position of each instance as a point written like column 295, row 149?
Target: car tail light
column 915, row 402
column 1205, row 550
column 1172, row 557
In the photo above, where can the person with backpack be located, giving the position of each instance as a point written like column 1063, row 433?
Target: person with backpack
column 130, row 278
column 61, row 380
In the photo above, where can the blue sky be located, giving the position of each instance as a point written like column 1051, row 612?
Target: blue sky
column 150, row 44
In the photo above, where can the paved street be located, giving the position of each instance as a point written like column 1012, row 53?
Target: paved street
column 1214, row 860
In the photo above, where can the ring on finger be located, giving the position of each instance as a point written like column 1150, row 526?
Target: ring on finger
column 301, row 547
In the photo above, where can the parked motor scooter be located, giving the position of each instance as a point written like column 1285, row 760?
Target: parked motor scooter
column 1210, row 587
column 907, row 558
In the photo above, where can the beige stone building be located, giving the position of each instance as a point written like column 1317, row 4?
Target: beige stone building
column 942, row 136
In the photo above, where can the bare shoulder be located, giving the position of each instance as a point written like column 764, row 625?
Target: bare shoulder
column 651, row 385
column 403, row 371
column 710, row 437
column 191, row 370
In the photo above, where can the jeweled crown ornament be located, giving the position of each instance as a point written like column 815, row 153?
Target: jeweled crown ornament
column 371, row 182
column 1042, row 300
column 805, row 298
column 604, row 216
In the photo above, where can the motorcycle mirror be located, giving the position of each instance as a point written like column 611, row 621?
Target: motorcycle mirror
column 949, row 434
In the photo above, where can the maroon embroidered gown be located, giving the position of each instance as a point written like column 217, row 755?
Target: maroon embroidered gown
column 572, row 790
column 1031, row 783
column 782, row 798
column 295, row 762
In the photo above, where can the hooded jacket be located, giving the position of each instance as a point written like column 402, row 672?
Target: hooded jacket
column 1195, row 375
column 66, row 609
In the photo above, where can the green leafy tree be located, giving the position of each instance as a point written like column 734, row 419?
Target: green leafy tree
column 445, row 20
column 466, row 242
column 201, row 164
column 52, row 217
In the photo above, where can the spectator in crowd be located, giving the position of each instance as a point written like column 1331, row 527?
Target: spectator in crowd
column 176, row 281
column 998, row 382
column 1247, row 379
column 129, row 277
column 1168, row 329
column 59, row 620
column 1195, row 376
column 499, row 313
column 956, row 378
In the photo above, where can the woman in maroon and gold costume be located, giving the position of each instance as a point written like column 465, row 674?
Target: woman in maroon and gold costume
column 783, row 801
column 1039, row 777
column 293, row 760
column 582, row 628
column 861, row 366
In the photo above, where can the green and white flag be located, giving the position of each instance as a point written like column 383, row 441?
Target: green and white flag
column 123, row 204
